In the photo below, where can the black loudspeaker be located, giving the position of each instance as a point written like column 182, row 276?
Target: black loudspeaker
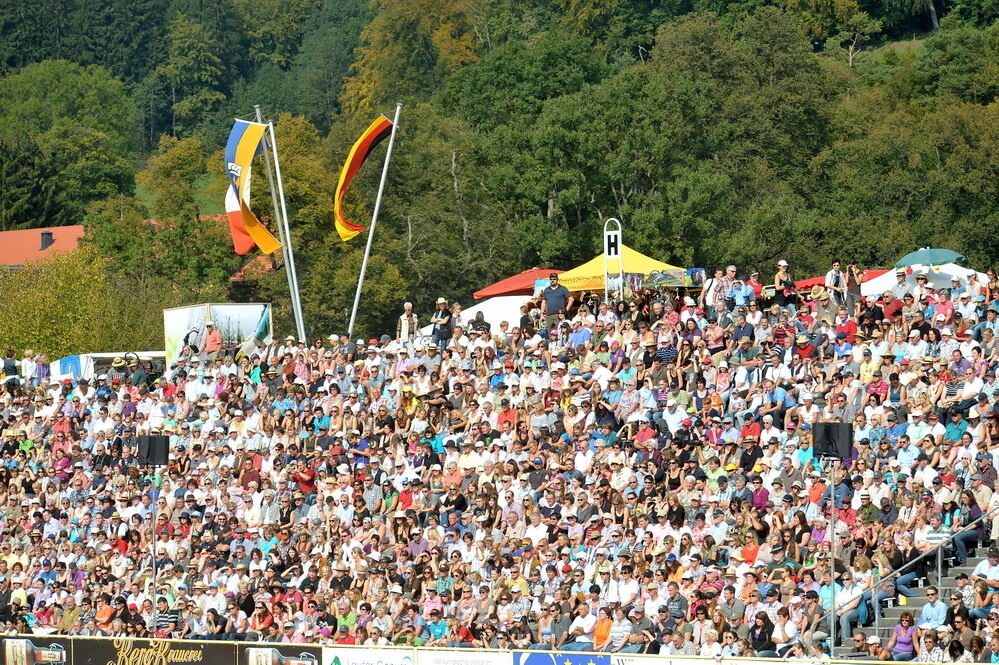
column 832, row 439
column 153, row 450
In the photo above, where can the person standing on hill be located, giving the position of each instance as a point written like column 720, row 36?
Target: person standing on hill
column 406, row 327
column 554, row 298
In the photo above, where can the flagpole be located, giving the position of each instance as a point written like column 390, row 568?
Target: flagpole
column 274, row 201
column 284, row 235
column 296, row 296
column 374, row 220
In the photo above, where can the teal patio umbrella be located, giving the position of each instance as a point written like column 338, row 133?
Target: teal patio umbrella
column 929, row 257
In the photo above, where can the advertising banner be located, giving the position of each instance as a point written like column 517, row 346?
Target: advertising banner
column 673, row 277
column 61, row 650
column 243, row 326
column 539, row 286
column 142, row 652
column 559, row 658
column 278, row 654
column 637, row 659
column 460, row 657
column 347, row 655
column 37, row 649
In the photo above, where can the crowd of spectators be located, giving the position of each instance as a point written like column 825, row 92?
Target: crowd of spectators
column 631, row 477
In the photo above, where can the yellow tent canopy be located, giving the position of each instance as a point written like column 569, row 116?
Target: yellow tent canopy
column 590, row 275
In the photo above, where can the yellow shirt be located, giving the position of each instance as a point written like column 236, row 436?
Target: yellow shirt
column 867, row 371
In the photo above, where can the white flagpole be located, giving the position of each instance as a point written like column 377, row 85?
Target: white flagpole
column 374, row 220
column 289, row 254
column 282, row 225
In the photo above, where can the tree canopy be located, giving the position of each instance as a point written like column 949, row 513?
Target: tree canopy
column 716, row 131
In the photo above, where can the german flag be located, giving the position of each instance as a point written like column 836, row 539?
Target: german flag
column 379, row 130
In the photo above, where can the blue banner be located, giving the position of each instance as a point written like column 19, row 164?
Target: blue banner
column 558, row 658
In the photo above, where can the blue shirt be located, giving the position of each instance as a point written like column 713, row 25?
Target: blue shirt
column 742, row 295
column 933, row 615
column 363, row 446
column 580, row 337
column 826, row 593
column 779, row 396
column 892, row 433
column 842, row 349
column 627, row 374
column 438, row 629
column 907, row 456
column 322, row 422
column 954, row 430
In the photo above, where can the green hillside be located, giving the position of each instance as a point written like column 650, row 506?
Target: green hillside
column 717, row 130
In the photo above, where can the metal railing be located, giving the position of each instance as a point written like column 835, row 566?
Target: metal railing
column 905, row 568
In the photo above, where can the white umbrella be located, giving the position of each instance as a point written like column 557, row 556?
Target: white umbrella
column 938, row 276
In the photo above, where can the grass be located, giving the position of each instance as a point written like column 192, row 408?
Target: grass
column 209, row 201
column 914, row 44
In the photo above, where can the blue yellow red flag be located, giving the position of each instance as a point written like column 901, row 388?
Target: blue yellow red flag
column 247, row 231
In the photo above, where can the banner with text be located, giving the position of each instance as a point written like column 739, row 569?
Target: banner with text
column 61, row 650
column 358, row 655
column 459, row 657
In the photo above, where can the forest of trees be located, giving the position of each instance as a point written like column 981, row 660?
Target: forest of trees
column 718, row 130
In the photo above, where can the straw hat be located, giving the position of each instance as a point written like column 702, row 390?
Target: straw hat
column 819, row 293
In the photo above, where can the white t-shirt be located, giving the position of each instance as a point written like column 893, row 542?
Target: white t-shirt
column 536, row 533
column 587, row 624
column 845, row 595
column 627, row 591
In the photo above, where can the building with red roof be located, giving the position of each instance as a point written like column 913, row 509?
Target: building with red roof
column 20, row 247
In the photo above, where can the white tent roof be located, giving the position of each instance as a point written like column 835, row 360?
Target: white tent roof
column 939, row 277
column 494, row 310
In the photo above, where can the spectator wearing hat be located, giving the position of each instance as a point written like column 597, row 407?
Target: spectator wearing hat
column 442, row 324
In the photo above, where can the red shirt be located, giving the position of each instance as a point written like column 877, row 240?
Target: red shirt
column 878, row 388
column 306, row 481
column 506, row 416
column 751, row 428
column 893, row 310
column 850, row 328
column 164, row 530
column 848, row 515
column 293, row 596
column 464, row 634
column 645, row 434
column 804, row 351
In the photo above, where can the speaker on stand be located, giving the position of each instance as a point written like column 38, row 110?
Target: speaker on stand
column 831, row 442
column 153, row 450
